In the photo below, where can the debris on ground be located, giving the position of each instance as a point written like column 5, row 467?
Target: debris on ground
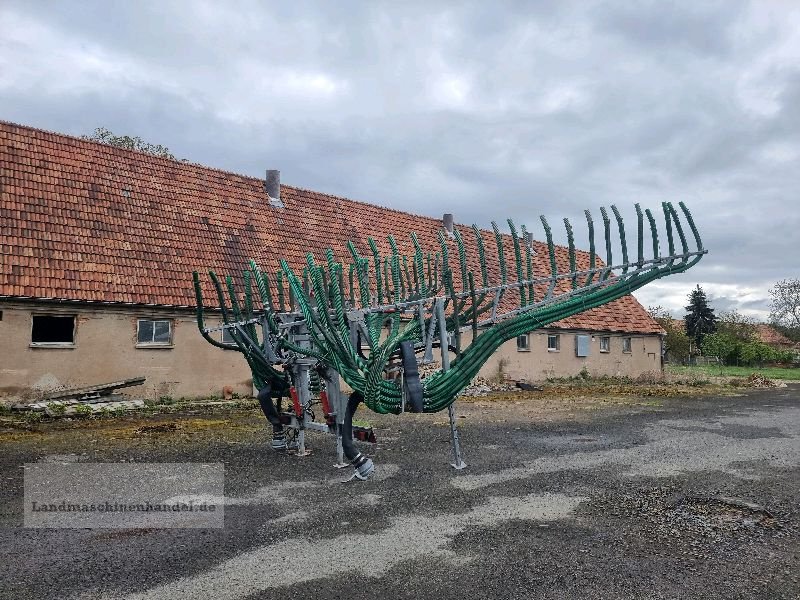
column 73, row 408
column 723, row 511
column 159, row 428
column 85, row 400
column 481, row 386
column 707, row 526
column 529, row 387
column 759, row 381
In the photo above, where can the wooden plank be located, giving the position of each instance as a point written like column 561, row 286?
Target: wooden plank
column 102, row 389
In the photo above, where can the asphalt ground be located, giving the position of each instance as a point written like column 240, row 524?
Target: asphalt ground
column 562, row 498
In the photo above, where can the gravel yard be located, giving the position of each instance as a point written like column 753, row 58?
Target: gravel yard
column 565, row 496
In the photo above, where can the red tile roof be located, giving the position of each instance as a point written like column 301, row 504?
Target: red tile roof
column 769, row 335
column 84, row 221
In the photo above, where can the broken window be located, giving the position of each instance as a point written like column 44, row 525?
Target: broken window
column 53, row 329
column 154, row 332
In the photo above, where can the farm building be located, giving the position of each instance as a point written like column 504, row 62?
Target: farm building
column 99, row 243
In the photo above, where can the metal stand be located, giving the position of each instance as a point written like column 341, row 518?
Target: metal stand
column 304, row 396
column 302, row 381
column 458, row 463
column 339, row 401
column 340, row 462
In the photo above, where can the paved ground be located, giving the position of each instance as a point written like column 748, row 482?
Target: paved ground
column 621, row 498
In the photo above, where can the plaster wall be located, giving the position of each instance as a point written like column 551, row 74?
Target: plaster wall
column 106, row 350
column 539, row 363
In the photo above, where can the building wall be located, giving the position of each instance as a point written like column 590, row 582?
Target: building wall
column 106, row 350
column 538, row 363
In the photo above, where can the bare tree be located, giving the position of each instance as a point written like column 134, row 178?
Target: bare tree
column 785, row 304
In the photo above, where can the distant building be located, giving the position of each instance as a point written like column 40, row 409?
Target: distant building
column 98, row 247
column 771, row 336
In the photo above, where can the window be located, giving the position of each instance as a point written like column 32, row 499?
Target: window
column 523, row 343
column 582, row 343
column 53, row 330
column 626, row 344
column 553, row 343
column 605, row 343
column 227, row 338
column 154, row 333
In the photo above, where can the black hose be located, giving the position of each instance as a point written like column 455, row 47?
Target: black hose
column 411, row 376
column 268, row 407
column 363, row 465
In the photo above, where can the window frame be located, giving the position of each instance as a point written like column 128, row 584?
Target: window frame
column 627, row 341
column 557, row 338
column 154, row 344
column 526, row 347
column 71, row 344
column 226, row 337
column 605, row 340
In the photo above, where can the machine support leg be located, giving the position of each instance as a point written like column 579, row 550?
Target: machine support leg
column 305, row 397
column 458, row 462
column 339, row 402
column 340, row 461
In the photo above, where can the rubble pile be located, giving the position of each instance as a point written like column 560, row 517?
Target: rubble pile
column 759, row 381
column 480, row 386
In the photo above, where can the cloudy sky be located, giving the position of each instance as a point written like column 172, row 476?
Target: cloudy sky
column 483, row 109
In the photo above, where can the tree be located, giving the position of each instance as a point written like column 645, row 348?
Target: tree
column 737, row 326
column 700, row 319
column 785, row 304
column 104, row 136
column 676, row 343
column 736, row 342
column 721, row 346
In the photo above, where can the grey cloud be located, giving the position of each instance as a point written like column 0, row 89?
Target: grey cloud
column 698, row 28
column 518, row 109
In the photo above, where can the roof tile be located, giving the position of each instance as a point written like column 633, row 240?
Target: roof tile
column 84, row 221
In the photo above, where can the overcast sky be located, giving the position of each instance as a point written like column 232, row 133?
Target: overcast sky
column 484, row 109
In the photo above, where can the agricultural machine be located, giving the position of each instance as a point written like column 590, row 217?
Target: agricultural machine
column 372, row 320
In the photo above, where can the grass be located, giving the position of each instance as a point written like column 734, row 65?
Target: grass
column 723, row 371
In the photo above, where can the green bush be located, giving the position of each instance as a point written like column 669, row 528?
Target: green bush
column 57, row 408
column 731, row 350
column 32, row 416
column 83, row 409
